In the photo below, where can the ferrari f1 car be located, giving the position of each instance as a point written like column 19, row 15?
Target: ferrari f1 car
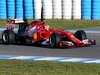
column 39, row 32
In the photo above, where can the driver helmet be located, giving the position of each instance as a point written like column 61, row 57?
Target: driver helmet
column 47, row 27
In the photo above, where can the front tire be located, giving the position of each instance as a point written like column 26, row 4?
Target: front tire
column 8, row 37
column 55, row 40
column 81, row 35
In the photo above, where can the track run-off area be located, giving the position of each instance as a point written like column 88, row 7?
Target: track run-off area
column 89, row 54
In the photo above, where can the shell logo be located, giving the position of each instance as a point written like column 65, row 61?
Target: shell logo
column 35, row 36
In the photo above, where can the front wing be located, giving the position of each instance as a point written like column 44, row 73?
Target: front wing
column 83, row 43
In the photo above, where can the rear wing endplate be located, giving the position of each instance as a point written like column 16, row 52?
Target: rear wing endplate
column 10, row 24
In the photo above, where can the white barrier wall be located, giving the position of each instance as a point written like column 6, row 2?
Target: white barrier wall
column 66, row 9
column 37, row 9
column 76, row 9
column 47, row 9
column 57, row 9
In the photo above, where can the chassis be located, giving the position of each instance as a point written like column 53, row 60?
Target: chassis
column 36, row 32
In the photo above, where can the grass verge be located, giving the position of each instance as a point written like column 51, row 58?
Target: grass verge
column 64, row 24
column 23, row 67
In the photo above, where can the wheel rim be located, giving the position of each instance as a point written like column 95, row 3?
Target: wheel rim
column 52, row 41
column 5, row 37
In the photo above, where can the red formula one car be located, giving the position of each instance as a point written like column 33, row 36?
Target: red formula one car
column 39, row 32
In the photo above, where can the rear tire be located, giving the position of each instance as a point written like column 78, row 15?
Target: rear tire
column 55, row 40
column 81, row 35
column 8, row 37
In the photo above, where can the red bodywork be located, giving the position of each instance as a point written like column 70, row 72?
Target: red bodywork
column 43, row 33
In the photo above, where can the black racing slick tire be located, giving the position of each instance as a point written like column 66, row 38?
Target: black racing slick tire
column 81, row 35
column 8, row 37
column 55, row 40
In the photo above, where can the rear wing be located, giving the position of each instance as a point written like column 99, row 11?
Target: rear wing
column 10, row 24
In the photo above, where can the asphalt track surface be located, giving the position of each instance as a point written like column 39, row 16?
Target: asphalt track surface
column 32, row 50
